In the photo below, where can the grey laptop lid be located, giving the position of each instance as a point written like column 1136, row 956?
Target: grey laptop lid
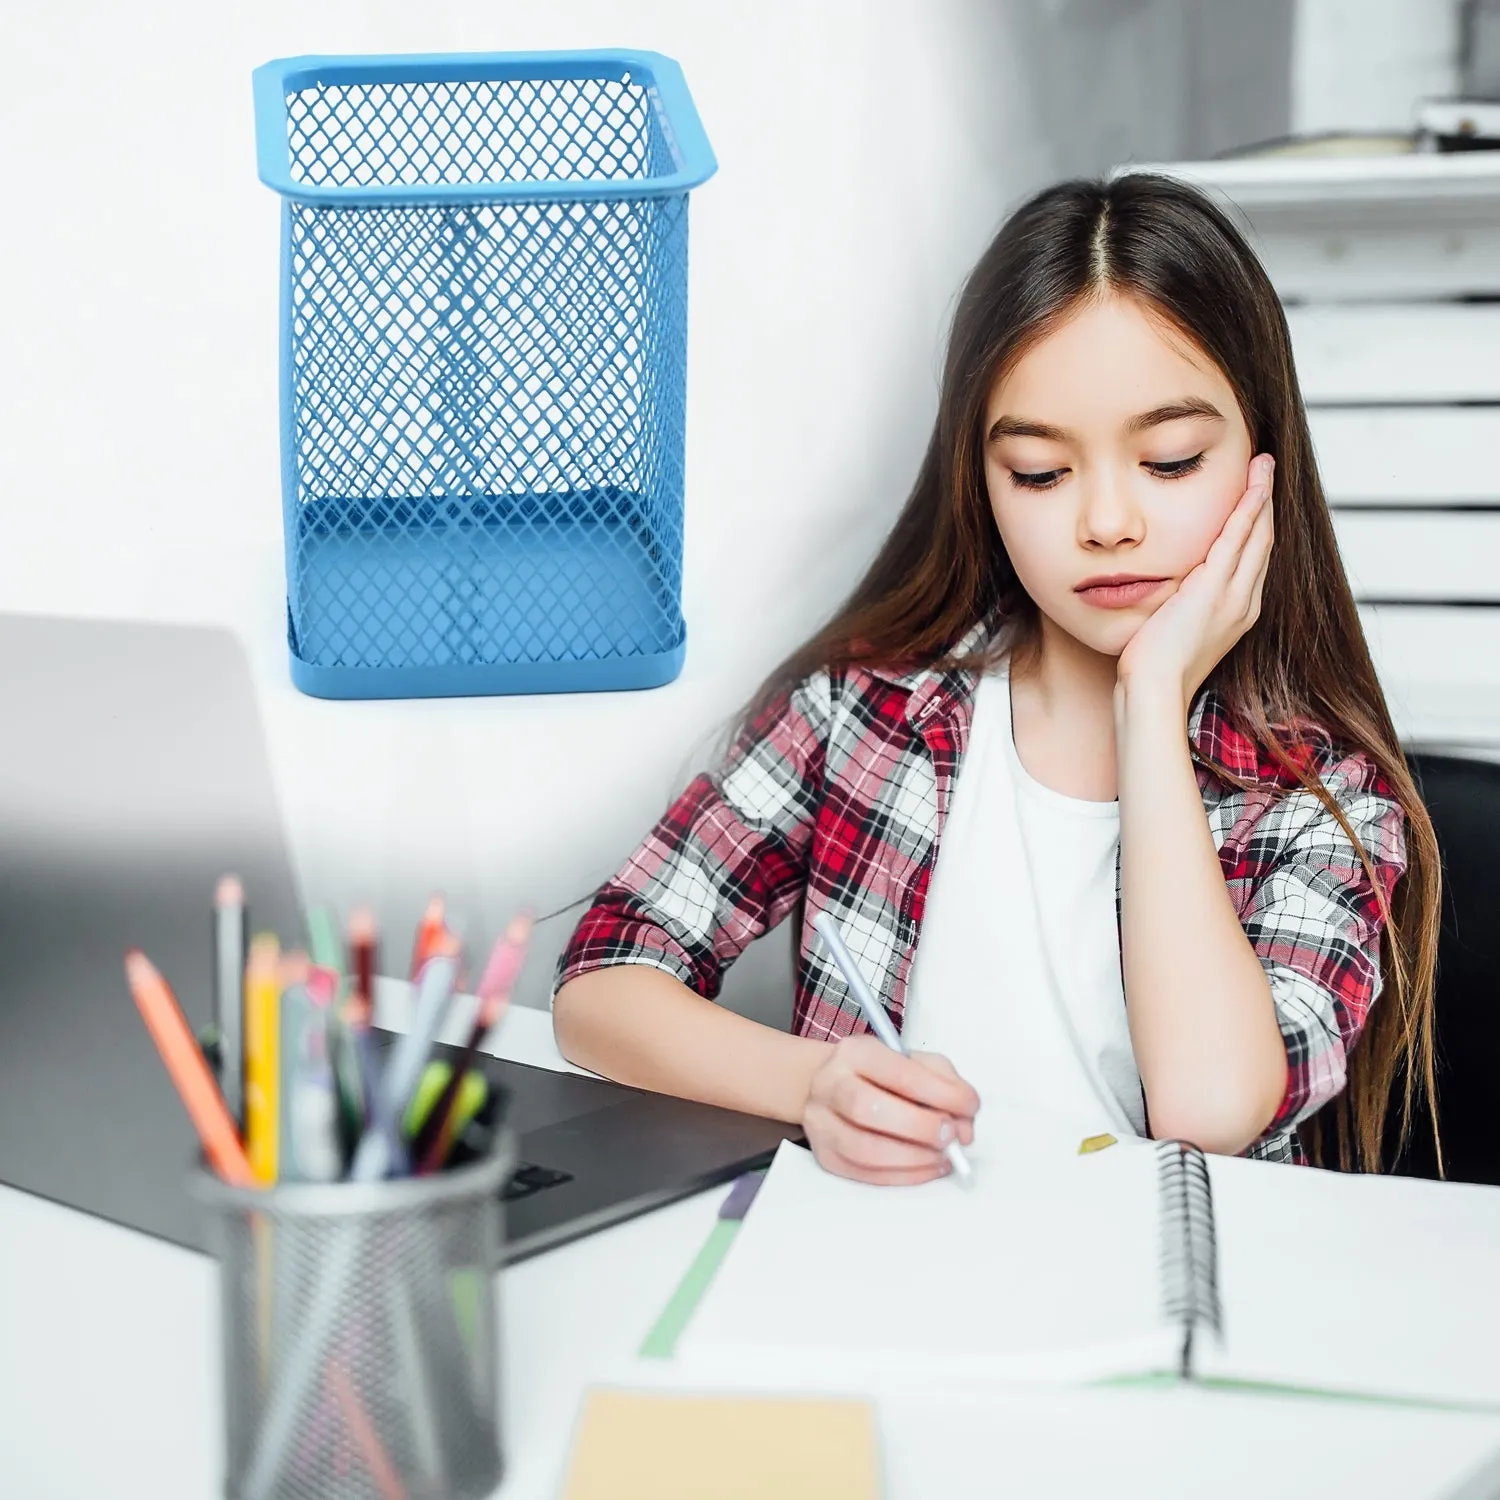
column 133, row 774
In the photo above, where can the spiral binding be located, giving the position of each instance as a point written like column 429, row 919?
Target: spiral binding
column 1189, row 1252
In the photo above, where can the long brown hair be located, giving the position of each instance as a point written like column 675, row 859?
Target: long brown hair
column 944, row 567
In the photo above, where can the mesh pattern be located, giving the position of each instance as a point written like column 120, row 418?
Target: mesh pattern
column 485, row 402
column 406, row 1382
column 502, row 130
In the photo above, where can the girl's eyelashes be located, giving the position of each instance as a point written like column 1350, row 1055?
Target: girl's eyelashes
column 1046, row 479
column 1040, row 481
column 1176, row 468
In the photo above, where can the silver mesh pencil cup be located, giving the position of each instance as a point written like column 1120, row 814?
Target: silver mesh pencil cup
column 359, row 1334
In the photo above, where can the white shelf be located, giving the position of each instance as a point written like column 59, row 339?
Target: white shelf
column 1418, row 180
column 1409, row 556
column 1362, row 228
column 1408, row 455
column 1440, row 668
column 1390, row 353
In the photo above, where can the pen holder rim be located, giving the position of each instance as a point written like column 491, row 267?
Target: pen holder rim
column 343, row 1200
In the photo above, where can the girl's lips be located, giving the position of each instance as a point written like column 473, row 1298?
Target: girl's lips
column 1121, row 595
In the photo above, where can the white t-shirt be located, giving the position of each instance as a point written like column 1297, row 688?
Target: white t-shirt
column 1017, row 973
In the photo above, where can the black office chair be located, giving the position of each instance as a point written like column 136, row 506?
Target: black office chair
column 1463, row 797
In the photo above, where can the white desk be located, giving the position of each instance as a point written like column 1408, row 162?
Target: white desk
column 109, row 1376
column 110, row 1389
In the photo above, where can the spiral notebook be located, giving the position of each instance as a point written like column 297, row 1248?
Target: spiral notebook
column 1144, row 1259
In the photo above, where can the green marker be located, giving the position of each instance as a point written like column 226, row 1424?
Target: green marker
column 323, row 943
column 472, row 1093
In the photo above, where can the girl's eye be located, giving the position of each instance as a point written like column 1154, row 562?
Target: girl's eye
column 1176, row 469
column 1043, row 481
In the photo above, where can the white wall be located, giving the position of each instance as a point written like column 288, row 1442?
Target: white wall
column 867, row 151
column 1363, row 64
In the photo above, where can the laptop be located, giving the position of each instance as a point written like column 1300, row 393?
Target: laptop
column 133, row 774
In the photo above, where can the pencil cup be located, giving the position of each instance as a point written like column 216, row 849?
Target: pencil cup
column 483, row 367
column 359, row 1335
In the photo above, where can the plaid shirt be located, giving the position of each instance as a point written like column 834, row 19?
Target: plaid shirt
column 835, row 800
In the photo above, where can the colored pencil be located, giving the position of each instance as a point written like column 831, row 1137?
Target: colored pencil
column 429, row 931
column 359, row 1016
column 189, row 1072
column 229, row 991
column 435, row 1139
column 361, row 1002
column 362, row 1429
column 263, row 1056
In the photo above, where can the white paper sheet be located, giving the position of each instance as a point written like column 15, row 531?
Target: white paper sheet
column 1385, row 1286
column 1045, row 1267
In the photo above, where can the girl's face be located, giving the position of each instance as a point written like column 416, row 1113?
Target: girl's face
column 1114, row 452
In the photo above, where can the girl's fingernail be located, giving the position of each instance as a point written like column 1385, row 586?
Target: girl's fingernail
column 945, row 1132
column 946, row 1167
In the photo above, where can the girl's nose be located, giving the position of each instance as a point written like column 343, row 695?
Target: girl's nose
column 1109, row 515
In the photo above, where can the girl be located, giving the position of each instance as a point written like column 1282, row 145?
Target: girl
column 1092, row 768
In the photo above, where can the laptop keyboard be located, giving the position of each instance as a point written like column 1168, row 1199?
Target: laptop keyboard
column 529, row 1178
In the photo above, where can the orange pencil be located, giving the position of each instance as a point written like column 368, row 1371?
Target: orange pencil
column 429, row 931
column 188, row 1070
column 362, row 1429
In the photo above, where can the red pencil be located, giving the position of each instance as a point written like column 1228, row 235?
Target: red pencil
column 188, row 1070
column 361, row 1002
column 429, row 930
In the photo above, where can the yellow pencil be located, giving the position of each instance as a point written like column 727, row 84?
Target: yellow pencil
column 263, row 1056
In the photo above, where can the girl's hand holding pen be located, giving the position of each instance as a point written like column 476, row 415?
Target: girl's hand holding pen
column 881, row 1117
column 1193, row 630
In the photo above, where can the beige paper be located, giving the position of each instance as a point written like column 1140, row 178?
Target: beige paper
column 633, row 1445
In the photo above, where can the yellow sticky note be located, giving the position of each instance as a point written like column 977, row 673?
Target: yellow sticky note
column 647, row 1445
column 1095, row 1143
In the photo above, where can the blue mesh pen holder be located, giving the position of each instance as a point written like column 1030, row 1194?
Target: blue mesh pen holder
column 483, row 367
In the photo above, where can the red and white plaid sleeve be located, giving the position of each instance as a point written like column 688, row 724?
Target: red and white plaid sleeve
column 1313, row 918
column 724, row 864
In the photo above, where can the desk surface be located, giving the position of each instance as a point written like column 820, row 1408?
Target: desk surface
column 109, row 1375
column 110, row 1386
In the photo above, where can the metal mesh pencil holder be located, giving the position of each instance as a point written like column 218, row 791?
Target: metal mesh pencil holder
column 483, row 367
column 359, row 1335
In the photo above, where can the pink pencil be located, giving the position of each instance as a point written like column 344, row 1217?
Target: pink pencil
column 362, row 1430
column 435, row 1139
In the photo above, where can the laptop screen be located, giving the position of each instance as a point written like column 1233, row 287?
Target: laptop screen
column 133, row 774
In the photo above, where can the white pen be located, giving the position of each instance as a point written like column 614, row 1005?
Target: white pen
column 229, row 991
column 880, row 1022
column 381, row 1149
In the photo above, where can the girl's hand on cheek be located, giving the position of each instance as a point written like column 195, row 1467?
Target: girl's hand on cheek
column 1214, row 605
